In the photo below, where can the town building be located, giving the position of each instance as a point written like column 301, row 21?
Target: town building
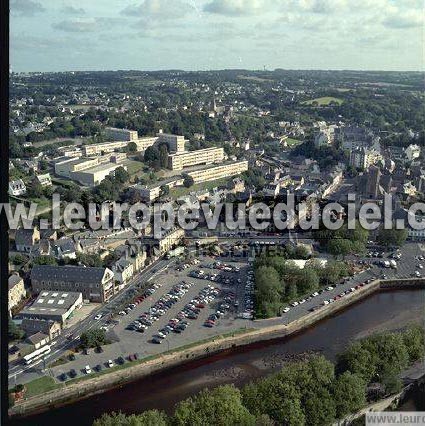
column 363, row 158
column 123, row 271
column 121, row 134
column 26, row 239
column 176, row 143
column 53, row 305
column 413, row 152
column 207, row 156
column 166, row 241
column 218, row 172
column 103, row 148
column 50, row 328
column 17, row 188
column 37, row 340
column 95, row 284
column 89, row 171
column 95, row 175
column 16, row 292
column 44, row 180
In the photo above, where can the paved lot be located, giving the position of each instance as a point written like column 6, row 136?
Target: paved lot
column 131, row 341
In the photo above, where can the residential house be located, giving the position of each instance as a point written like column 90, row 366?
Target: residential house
column 123, row 271
column 16, row 291
column 44, row 180
column 27, row 239
column 38, row 340
column 48, row 327
column 17, row 188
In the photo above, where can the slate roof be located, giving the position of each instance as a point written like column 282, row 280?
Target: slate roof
column 67, row 273
column 13, row 280
column 24, row 237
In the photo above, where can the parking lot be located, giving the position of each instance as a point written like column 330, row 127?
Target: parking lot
column 181, row 306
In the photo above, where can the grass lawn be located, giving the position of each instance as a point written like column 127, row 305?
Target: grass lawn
column 181, row 190
column 324, row 101
column 134, row 167
column 292, row 142
column 42, row 385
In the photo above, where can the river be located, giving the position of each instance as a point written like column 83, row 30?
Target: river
column 386, row 310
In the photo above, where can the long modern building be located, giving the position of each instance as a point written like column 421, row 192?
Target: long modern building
column 206, row 156
column 95, row 284
column 121, row 134
column 89, row 171
column 218, row 172
column 103, row 148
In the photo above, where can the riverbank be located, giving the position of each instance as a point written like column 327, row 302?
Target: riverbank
column 96, row 385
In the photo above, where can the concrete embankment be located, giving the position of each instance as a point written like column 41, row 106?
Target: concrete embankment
column 99, row 384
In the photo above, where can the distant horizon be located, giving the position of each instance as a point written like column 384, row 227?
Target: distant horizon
column 71, row 35
column 219, row 70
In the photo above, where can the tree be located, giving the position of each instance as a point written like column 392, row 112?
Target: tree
column 35, row 190
column 93, row 338
column 121, row 175
column 147, row 418
column 164, row 190
column 163, row 155
column 15, row 332
column 268, row 291
column 413, row 339
column 44, row 260
column 349, row 394
column 18, row 259
column 188, row 181
column 221, row 406
column 392, row 237
column 151, row 156
column 132, row 147
column 340, row 247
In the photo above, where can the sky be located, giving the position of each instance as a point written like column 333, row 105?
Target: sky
column 76, row 35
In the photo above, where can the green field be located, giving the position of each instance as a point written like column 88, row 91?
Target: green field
column 42, row 385
column 292, row 142
column 134, row 167
column 325, row 100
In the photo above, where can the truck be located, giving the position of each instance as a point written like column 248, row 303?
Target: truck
column 174, row 253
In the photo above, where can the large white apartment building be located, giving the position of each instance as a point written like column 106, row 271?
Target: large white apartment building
column 121, row 134
column 176, row 143
column 206, row 156
column 219, row 172
column 88, row 171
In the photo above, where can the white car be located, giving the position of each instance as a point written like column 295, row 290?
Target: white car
column 287, row 309
column 294, row 304
column 325, row 302
column 302, row 301
column 315, row 294
column 98, row 317
column 329, row 288
column 87, row 369
column 110, row 363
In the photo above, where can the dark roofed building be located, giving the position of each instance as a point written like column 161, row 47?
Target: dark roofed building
column 96, row 284
column 48, row 327
column 26, row 239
